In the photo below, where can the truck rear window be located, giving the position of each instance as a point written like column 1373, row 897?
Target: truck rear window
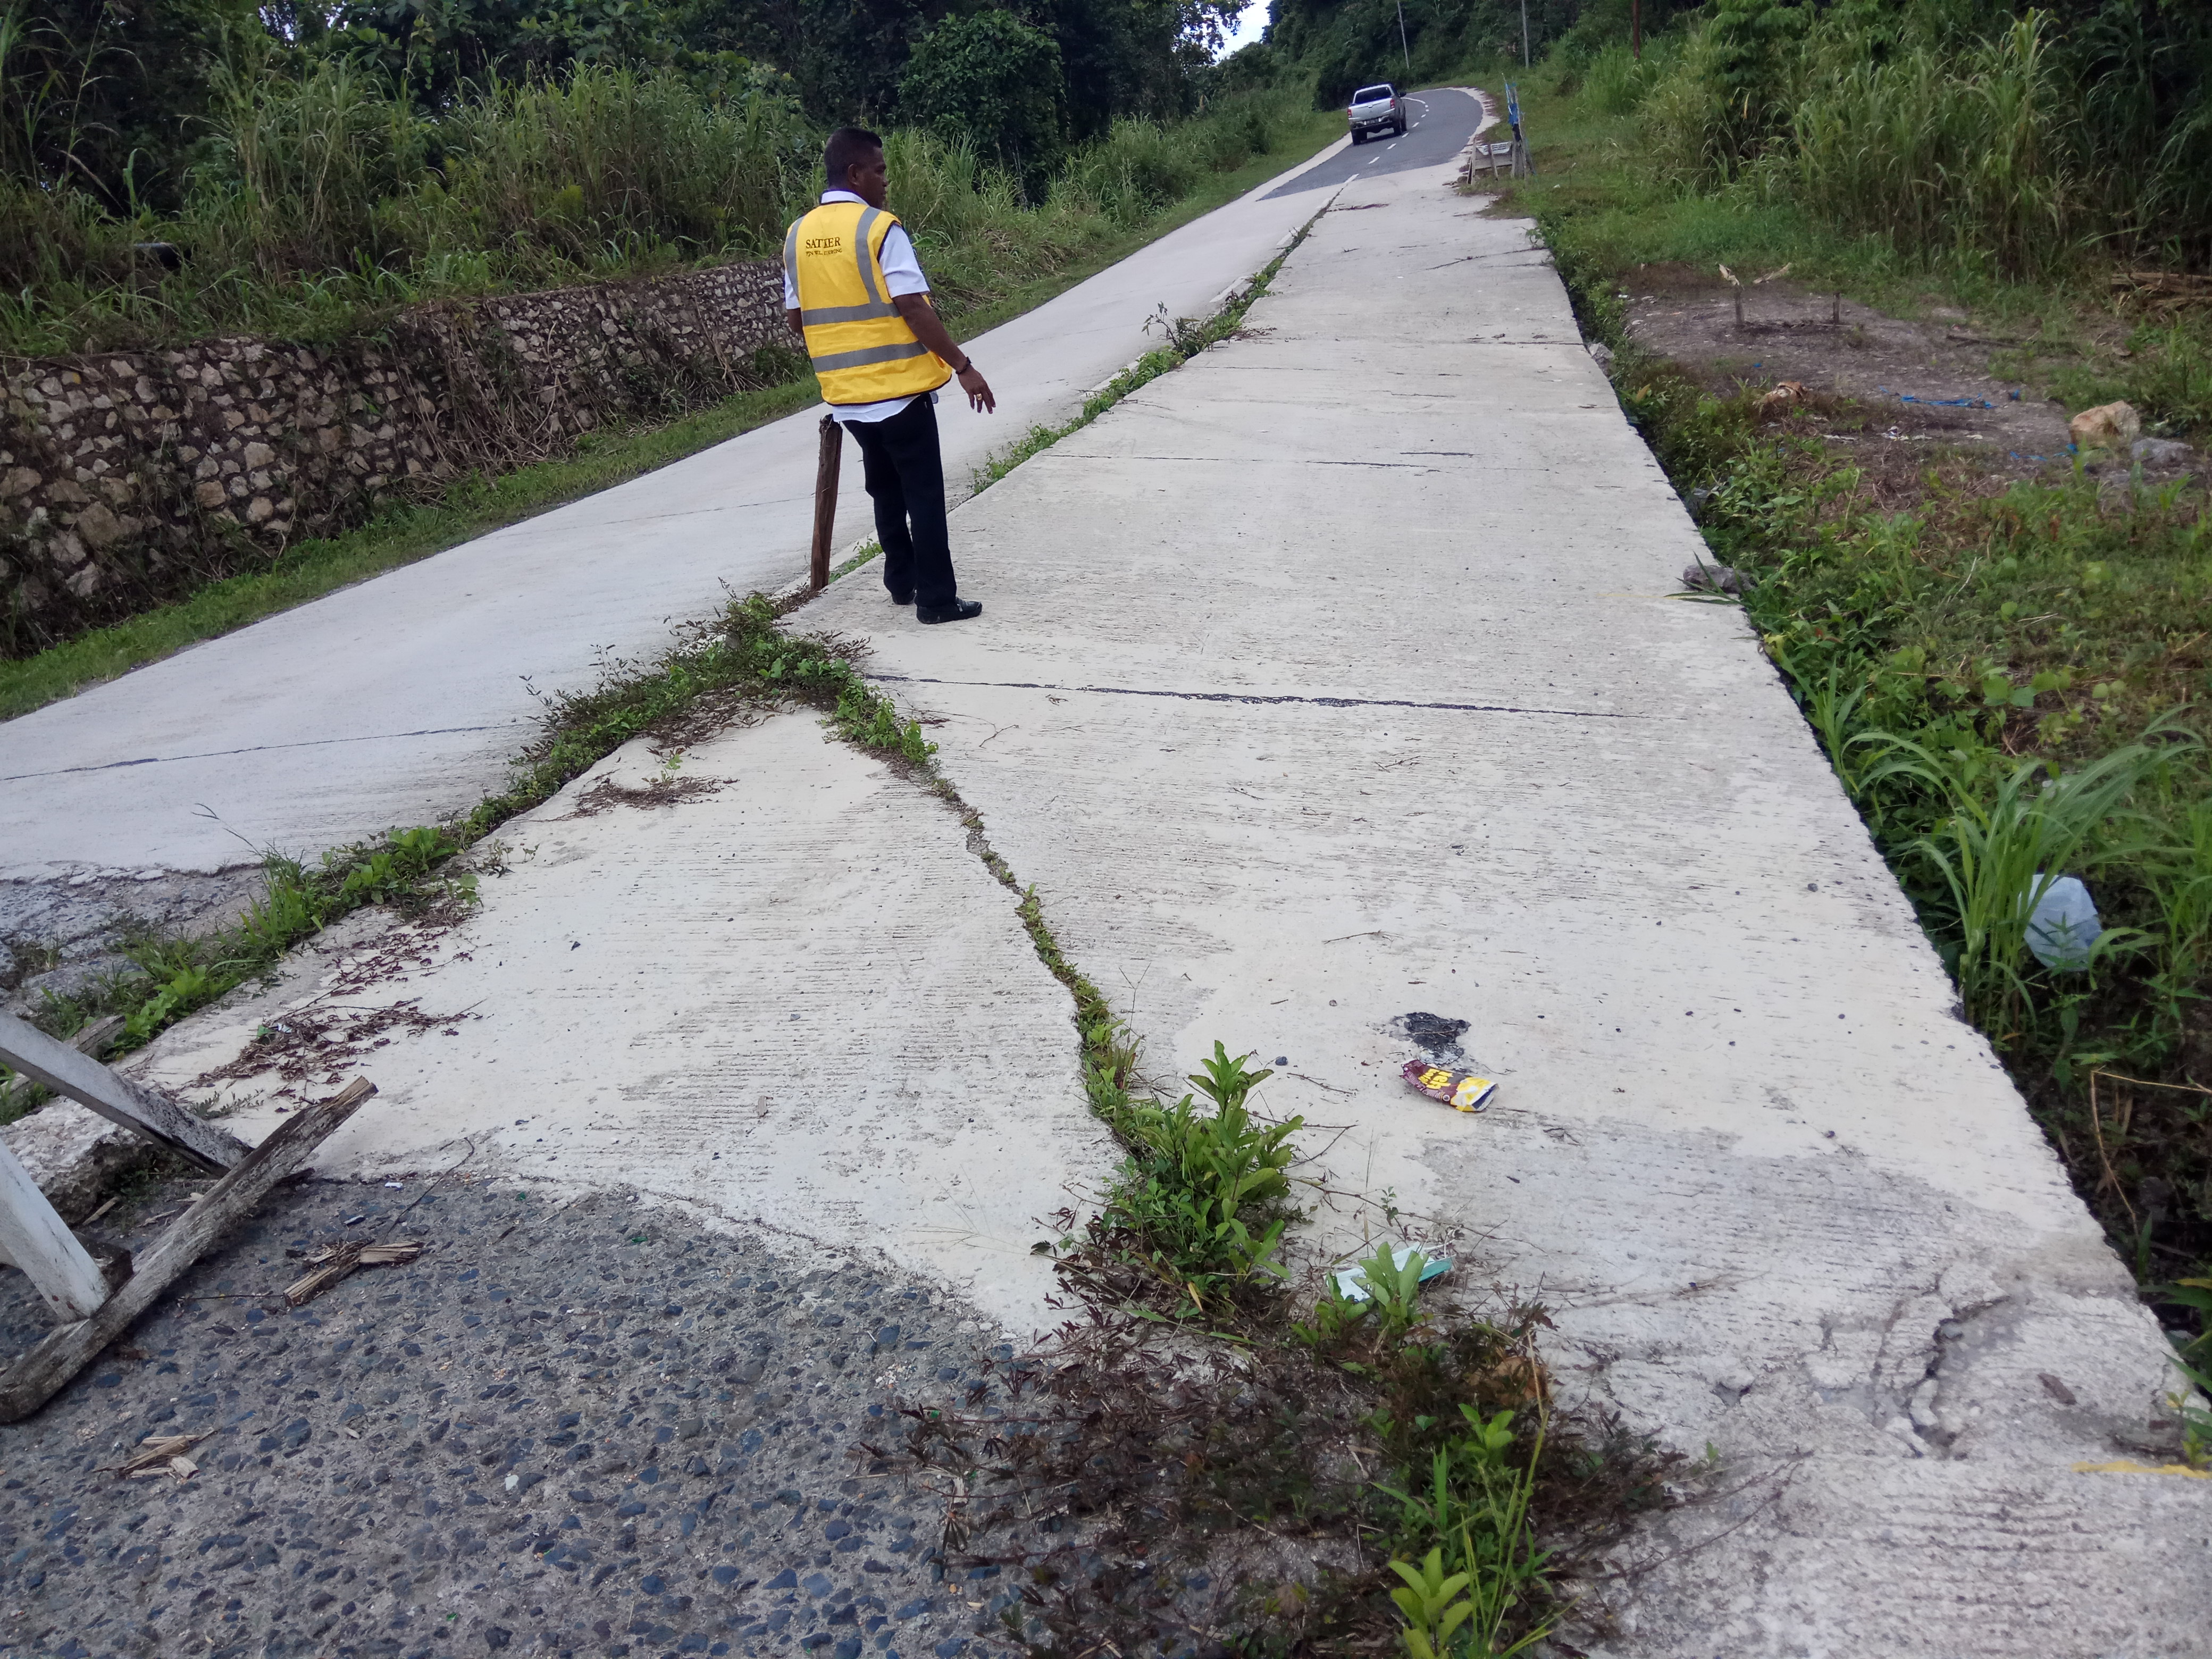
column 1371, row 94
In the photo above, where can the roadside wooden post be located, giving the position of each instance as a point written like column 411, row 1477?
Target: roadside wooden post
column 825, row 501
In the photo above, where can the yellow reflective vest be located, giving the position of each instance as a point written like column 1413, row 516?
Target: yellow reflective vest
column 862, row 349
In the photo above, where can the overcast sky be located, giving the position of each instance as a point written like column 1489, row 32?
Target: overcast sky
column 1248, row 25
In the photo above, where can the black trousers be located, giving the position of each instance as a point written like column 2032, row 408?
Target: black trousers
column 905, row 476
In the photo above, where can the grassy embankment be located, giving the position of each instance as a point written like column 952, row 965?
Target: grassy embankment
column 2006, row 672
column 991, row 255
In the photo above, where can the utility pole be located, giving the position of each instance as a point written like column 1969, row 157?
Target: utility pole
column 1524, row 33
column 1403, row 48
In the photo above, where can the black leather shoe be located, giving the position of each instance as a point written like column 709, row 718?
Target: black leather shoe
column 898, row 597
column 959, row 611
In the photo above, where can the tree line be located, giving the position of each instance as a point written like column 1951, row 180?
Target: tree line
column 113, row 97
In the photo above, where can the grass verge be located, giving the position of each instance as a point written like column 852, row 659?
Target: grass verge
column 2006, row 671
column 402, row 533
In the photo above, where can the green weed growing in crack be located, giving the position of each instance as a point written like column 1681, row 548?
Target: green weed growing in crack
column 1203, row 1199
column 1109, row 1476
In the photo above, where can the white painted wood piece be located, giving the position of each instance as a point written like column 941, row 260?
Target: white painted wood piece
column 37, row 1240
column 33, row 1378
column 26, row 1048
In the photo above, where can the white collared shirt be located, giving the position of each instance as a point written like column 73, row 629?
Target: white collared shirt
column 901, row 275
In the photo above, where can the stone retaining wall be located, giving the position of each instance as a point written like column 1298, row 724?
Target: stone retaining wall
column 129, row 477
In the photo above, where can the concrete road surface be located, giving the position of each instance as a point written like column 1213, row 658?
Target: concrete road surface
column 1335, row 679
column 400, row 700
column 1328, row 681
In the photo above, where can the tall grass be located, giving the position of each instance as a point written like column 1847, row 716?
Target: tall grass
column 2021, row 150
column 1959, row 155
column 324, row 198
column 1616, row 81
column 1998, row 854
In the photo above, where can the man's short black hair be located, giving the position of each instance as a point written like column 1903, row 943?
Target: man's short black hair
column 848, row 148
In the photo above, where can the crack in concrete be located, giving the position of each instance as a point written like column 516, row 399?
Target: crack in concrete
column 1258, row 698
column 256, row 749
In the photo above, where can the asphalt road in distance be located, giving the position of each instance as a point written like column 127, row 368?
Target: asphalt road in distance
column 1442, row 123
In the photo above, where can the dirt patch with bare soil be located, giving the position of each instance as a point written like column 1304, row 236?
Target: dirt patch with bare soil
column 1907, row 382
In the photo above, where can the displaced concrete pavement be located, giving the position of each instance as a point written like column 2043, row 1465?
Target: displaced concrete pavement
column 401, row 699
column 794, row 997
column 1327, row 680
column 1333, row 679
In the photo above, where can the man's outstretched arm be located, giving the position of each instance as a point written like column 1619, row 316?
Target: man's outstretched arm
column 922, row 317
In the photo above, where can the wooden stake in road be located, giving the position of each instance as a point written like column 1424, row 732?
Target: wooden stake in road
column 825, row 500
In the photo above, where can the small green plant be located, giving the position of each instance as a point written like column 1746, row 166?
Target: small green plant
column 1433, row 1605
column 2195, row 1415
column 1202, row 1201
column 1394, row 1291
column 1474, row 1517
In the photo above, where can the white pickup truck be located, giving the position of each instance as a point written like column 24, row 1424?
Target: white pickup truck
column 1376, row 109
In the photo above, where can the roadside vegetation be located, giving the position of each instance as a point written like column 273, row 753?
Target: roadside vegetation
column 329, row 197
column 2007, row 664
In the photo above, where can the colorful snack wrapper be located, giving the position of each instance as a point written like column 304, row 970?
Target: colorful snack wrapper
column 1464, row 1091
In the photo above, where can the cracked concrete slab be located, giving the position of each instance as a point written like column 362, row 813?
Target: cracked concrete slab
column 796, row 1000
column 1293, row 749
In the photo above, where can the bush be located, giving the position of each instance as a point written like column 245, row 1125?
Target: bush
column 1964, row 154
column 990, row 80
column 2017, row 150
column 323, row 199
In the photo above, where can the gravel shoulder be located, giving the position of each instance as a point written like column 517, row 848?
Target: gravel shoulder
column 575, row 1425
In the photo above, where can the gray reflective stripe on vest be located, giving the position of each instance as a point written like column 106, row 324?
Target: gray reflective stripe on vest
column 846, row 314
column 791, row 253
column 868, row 217
column 862, row 358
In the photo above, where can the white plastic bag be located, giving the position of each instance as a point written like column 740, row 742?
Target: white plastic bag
column 2063, row 927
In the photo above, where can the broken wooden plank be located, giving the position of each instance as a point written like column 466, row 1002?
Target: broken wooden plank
column 338, row 1261
column 26, row 1048
column 93, row 1040
column 162, row 1453
column 40, row 1374
column 36, row 1239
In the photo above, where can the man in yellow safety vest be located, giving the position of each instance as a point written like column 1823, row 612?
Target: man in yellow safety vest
column 855, row 292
